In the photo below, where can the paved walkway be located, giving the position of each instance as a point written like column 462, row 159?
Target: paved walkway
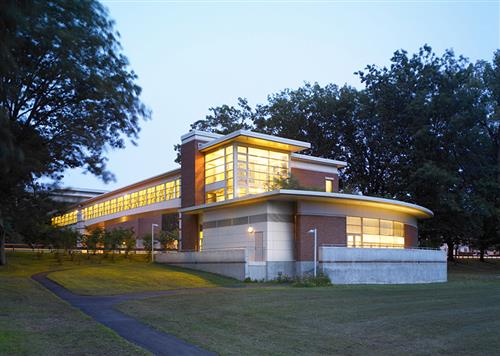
column 101, row 309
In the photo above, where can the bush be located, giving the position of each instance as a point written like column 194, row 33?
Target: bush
column 321, row 280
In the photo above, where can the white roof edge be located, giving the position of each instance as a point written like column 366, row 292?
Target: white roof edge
column 357, row 197
column 309, row 193
column 256, row 135
column 209, row 135
column 321, row 160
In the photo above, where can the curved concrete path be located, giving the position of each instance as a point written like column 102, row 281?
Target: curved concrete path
column 101, row 309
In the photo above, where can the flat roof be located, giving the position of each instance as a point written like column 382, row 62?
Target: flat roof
column 318, row 160
column 259, row 139
column 288, row 194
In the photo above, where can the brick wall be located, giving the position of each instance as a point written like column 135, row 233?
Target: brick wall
column 190, row 235
column 411, row 236
column 193, row 175
column 193, row 191
column 331, row 230
column 313, row 179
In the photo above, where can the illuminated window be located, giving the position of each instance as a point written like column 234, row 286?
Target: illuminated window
column 151, row 195
column 219, row 169
column 259, row 169
column 65, row 219
column 373, row 233
column 215, row 195
column 329, row 185
column 215, row 166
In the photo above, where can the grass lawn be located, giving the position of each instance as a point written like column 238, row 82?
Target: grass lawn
column 126, row 277
column 458, row 317
column 33, row 321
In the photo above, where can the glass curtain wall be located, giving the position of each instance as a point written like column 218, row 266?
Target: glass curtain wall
column 219, row 175
column 257, row 171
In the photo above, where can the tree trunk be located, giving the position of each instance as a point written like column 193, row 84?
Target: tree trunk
column 481, row 254
column 450, row 251
column 3, row 257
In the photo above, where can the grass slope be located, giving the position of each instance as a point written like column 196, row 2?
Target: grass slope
column 130, row 277
column 458, row 317
column 33, row 321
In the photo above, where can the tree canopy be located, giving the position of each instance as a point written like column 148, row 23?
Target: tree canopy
column 66, row 93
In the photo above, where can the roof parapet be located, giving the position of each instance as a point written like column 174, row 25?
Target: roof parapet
column 318, row 160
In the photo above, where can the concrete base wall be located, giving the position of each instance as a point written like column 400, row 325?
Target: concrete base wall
column 230, row 263
column 284, row 268
column 256, row 271
column 383, row 266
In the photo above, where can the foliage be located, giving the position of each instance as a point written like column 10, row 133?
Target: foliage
column 321, row 280
column 66, row 93
column 168, row 239
column 93, row 239
column 128, row 240
column 425, row 129
column 290, row 182
column 147, row 244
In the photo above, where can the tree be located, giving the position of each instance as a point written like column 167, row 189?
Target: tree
column 168, row 239
column 147, row 244
column 113, row 240
column 93, row 240
column 128, row 240
column 66, row 92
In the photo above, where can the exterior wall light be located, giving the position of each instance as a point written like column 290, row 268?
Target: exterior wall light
column 251, row 230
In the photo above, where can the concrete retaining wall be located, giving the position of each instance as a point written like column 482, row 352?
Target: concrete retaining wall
column 230, row 263
column 382, row 266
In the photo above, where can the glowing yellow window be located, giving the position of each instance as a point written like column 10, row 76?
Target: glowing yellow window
column 329, row 185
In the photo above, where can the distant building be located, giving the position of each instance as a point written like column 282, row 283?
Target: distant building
column 74, row 195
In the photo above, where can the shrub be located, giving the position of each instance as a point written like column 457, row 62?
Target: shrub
column 321, row 280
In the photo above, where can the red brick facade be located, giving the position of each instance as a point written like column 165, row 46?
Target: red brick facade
column 193, row 174
column 193, row 192
column 313, row 179
column 411, row 236
column 331, row 230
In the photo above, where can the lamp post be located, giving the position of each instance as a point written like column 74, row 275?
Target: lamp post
column 315, row 233
column 153, row 241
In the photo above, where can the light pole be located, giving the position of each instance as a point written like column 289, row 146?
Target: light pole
column 315, row 232
column 153, row 241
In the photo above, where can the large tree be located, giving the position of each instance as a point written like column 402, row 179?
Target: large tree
column 66, row 93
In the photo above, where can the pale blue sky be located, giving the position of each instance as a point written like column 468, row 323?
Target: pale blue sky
column 192, row 55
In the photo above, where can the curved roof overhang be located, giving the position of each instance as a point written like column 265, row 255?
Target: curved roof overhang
column 303, row 195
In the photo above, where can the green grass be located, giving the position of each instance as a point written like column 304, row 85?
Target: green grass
column 131, row 277
column 33, row 321
column 458, row 317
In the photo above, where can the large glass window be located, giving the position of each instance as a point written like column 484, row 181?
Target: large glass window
column 219, row 170
column 259, row 169
column 155, row 194
column 369, row 232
